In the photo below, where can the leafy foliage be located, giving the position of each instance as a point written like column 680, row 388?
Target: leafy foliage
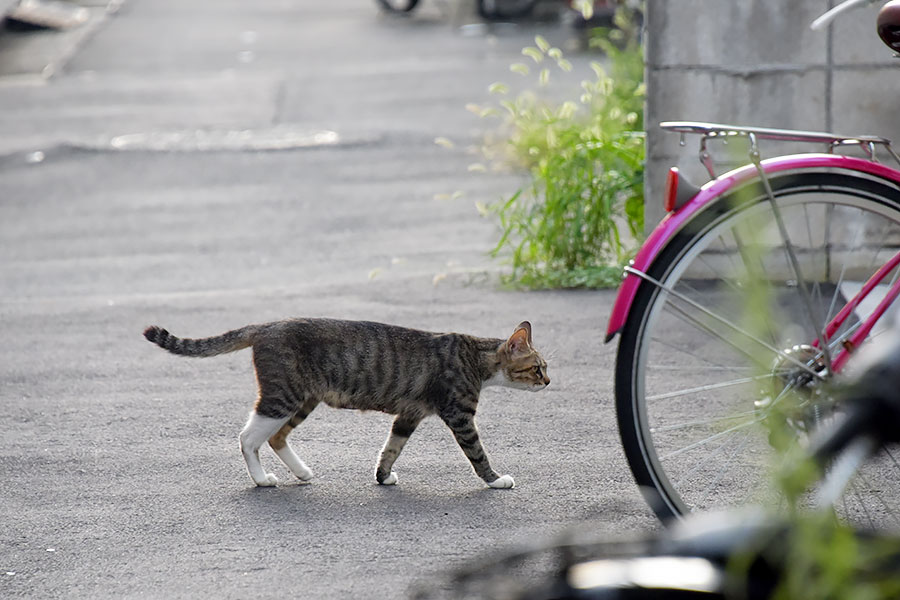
column 826, row 559
column 577, row 222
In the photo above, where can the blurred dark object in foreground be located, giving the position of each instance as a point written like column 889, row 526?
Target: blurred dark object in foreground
column 497, row 10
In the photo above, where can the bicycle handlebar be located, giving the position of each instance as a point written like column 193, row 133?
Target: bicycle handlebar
column 826, row 19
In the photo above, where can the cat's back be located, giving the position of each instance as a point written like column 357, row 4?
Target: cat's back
column 324, row 332
column 390, row 352
column 364, row 364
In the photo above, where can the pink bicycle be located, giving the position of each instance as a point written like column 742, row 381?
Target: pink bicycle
column 706, row 389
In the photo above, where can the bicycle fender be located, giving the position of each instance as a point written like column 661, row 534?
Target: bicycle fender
column 673, row 222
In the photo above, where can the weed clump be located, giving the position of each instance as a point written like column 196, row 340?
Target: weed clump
column 579, row 219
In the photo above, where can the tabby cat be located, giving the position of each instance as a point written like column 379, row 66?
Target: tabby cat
column 368, row 366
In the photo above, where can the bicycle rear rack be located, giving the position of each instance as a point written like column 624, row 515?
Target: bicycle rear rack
column 718, row 131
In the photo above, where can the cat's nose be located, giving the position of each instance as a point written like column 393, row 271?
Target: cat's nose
column 546, row 380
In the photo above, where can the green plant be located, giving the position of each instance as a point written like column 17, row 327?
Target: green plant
column 578, row 221
column 825, row 558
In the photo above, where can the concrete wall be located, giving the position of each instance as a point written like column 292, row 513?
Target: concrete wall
column 756, row 62
column 6, row 6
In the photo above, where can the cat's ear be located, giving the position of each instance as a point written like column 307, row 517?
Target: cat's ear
column 520, row 340
column 527, row 327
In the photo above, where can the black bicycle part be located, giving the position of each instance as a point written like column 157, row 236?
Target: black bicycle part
column 493, row 10
column 398, row 6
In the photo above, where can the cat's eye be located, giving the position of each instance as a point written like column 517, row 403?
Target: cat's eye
column 537, row 371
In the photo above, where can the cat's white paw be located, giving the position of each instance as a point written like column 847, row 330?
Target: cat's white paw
column 390, row 479
column 269, row 481
column 503, row 482
column 305, row 475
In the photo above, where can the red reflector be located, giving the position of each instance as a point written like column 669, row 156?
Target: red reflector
column 671, row 190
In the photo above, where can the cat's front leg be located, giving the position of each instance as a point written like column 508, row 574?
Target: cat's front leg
column 504, row 482
column 401, row 429
column 462, row 424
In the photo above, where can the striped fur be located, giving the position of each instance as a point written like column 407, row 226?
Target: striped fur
column 408, row 373
column 213, row 346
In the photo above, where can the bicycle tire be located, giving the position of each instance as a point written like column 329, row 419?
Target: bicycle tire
column 493, row 10
column 398, row 6
column 685, row 389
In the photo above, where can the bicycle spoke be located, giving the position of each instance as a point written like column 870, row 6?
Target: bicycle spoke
column 701, row 462
column 877, row 495
column 740, row 331
column 817, row 288
column 840, row 281
column 839, row 341
column 712, row 438
column 696, row 323
column 725, row 468
column 887, row 452
column 710, row 368
column 707, row 388
column 726, row 280
column 711, row 421
column 873, row 266
column 707, row 363
column 754, row 271
column 855, row 490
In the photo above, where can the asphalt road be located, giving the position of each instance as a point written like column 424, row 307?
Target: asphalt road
column 208, row 164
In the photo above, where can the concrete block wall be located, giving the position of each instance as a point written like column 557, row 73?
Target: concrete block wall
column 756, row 62
column 6, row 6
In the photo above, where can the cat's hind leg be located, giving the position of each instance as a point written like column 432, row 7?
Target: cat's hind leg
column 401, row 429
column 283, row 450
column 255, row 433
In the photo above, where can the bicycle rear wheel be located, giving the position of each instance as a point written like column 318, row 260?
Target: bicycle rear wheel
column 718, row 356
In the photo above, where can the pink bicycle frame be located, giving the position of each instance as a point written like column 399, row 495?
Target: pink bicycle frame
column 675, row 221
column 861, row 332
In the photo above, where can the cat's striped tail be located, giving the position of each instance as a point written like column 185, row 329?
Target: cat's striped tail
column 211, row 346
